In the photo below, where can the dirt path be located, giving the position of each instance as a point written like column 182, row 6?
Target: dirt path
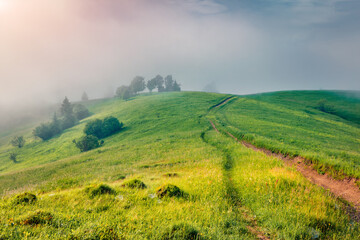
column 345, row 189
column 225, row 101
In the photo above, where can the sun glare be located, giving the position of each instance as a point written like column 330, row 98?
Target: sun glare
column 3, row 4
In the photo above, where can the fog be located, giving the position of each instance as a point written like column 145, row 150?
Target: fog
column 57, row 48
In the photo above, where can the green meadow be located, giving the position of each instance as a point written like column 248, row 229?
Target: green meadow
column 225, row 190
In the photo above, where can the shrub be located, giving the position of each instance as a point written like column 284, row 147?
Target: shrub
column 13, row 156
column 169, row 190
column 103, row 128
column 110, row 126
column 87, row 143
column 94, row 128
column 44, row 131
column 25, row 198
column 181, row 231
column 100, row 190
column 39, row 217
column 134, row 183
column 18, row 141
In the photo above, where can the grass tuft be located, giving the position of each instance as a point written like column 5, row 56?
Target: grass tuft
column 169, row 190
column 134, row 183
column 25, row 198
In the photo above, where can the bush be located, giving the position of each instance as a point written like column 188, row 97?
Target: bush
column 103, row 128
column 110, row 126
column 100, row 190
column 134, row 183
column 169, row 190
column 18, row 141
column 39, row 217
column 44, row 131
column 24, row 198
column 13, row 156
column 181, row 231
column 87, row 143
column 94, row 128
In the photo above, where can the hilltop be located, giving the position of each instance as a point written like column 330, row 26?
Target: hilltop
column 226, row 190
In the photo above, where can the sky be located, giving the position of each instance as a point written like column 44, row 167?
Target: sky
column 57, row 48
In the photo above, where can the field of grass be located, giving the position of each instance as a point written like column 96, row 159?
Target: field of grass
column 289, row 123
column 227, row 189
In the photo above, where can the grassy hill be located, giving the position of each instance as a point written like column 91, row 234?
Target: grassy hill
column 227, row 190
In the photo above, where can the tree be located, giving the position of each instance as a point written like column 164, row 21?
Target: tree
column 66, row 108
column 124, row 92
column 80, row 111
column 94, row 128
column 13, row 156
column 176, row 87
column 84, row 97
column 160, row 83
column 110, row 125
column 87, row 143
column 43, row 131
column 151, row 84
column 169, row 82
column 137, row 84
column 55, row 125
column 18, row 141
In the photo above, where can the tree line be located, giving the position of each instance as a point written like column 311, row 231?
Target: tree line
column 70, row 114
column 138, row 84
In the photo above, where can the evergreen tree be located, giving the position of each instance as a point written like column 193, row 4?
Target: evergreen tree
column 84, row 97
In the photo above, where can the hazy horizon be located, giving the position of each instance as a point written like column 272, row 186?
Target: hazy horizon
column 52, row 49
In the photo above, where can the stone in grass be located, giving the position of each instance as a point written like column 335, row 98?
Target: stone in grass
column 25, row 198
column 169, row 190
column 39, row 217
column 134, row 183
column 182, row 231
column 100, row 190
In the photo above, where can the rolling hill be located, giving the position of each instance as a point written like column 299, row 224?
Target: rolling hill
column 225, row 190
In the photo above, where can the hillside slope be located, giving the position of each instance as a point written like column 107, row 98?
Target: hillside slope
column 228, row 191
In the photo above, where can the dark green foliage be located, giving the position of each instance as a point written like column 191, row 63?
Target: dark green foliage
column 70, row 115
column 134, row 183
column 39, row 217
column 18, row 141
column 24, row 198
column 182, row 231
column 103, row 128
column 94, row 128
column 324, row 106
column 110, row 125
column 13, row 156
column 80, row 111
column 124, row 92
column 169, row 190
column 100, row 190
column 137, row 84
column 87, row 143
column 44, row 131
column 68, row 122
